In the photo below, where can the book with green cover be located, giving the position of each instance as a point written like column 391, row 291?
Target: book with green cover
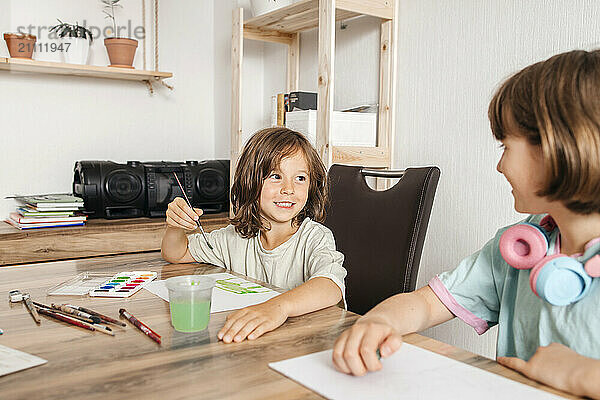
column 32, row 212
column 57, row 198
column 49, row 202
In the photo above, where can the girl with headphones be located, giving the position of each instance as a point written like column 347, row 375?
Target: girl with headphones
column 538, row 280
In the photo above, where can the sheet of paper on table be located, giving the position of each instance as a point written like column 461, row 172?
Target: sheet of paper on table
column 230, row 292
column 12, row 360
column 410, row 373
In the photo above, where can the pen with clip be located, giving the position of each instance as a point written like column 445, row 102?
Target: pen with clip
column 140, row 325
column 190, row 205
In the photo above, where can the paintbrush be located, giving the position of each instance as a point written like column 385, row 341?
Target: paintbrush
column 190, row 204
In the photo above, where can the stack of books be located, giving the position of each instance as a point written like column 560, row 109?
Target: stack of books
column 47, row 210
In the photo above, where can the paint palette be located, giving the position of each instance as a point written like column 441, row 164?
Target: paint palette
column 123, row 284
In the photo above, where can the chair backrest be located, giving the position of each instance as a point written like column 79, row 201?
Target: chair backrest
column 380, row 233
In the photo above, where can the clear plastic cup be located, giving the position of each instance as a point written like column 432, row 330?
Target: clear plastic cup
column 189, row 299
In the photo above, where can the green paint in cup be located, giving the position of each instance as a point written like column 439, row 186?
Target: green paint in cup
column 189, row 300
column 190, row 316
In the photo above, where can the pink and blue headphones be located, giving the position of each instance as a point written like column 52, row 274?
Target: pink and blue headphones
column 558, row 278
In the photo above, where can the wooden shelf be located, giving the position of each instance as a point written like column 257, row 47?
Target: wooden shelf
column 98, row 237
column 284, row 26
column 92, row 71
column 304, row 15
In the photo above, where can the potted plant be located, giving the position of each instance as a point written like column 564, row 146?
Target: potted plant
column 121, row 51
column 20, row 45
column 76, row 42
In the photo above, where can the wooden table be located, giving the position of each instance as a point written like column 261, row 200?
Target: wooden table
column 92, row 365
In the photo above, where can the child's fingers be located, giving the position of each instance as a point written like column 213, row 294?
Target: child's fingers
column 514, row 363
column 237, row 325
column 368, row 349
column 231, row 318
column 182, row 206
column 175, row 220
column 175, row 209
column 351, row 352
column 260, row 330
column 338, row 353
column 390, row 345
column 198, row 211
column 249, row 327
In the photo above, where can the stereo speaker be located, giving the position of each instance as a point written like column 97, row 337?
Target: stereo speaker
column 145, row 189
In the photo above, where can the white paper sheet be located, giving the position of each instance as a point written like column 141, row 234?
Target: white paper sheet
column 12, row 360
column 411, row 373
column 223, row 300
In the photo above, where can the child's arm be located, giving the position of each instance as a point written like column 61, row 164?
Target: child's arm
column 558, row 366
column 252, row 322
column 355, row 351
column 180, row 217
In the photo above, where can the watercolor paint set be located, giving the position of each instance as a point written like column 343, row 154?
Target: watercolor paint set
column 123, row 284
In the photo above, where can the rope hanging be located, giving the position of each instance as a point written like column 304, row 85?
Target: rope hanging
column 156, row 35
column 145, row 33
column 161, row 81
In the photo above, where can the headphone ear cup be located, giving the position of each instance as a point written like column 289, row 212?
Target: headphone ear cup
column 522, row 246
column 592, row 266
column 559, row 279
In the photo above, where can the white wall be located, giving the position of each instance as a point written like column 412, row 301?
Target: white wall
column 49, row 122
column 452, row 54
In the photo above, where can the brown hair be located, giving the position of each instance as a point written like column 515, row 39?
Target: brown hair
column 556, row 105
column 261, row 155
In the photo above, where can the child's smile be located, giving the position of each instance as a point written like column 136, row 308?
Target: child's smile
column 285, row 204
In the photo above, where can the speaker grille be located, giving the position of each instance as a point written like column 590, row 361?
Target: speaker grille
column 122, row 186
column 211, row 183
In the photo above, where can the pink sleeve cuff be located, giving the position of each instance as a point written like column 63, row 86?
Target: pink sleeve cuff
column 450, row 302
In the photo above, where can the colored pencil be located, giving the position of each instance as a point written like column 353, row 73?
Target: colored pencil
column 1, row 332
column 140, row 325
column 101, row 316
column 190, row 204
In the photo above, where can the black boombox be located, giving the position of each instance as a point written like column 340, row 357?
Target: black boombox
column 145, row 189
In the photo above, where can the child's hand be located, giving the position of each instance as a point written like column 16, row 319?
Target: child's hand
column 355, row 351
column 252, row 322
column 555, row 365
column 180, row 215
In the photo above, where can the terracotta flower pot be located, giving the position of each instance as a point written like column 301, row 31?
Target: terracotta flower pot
column 20, row 45
column 121, row 51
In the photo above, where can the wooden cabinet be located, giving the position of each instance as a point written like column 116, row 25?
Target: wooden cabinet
column 98, row 237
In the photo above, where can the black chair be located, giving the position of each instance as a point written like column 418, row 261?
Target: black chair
column 380, row 233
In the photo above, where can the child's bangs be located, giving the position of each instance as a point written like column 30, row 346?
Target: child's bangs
column 288, row 150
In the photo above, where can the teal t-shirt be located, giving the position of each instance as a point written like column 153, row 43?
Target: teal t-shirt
column 484, row 291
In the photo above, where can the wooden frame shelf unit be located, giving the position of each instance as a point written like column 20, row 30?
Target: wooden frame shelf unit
column 92, row 71
column 284, row 26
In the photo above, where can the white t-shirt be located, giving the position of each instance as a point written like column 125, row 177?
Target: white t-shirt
column 309, row 253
